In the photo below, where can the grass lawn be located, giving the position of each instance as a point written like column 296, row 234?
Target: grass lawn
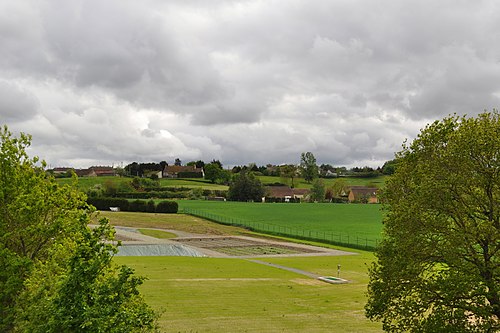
column 179, row 222
column 354, row 219
column 235, row 295
column 157, row 233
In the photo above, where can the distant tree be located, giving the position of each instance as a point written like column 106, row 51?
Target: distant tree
column 246, row 187
column 236, row 169
column 318, row 190
column 389, row 167
column 339, row 188
column 288, row 173
column 217, row 162
column 438, row 265
column 308, row 166
column 213, row 172
column 163, row 164
column 120, row 171
column 178, row 162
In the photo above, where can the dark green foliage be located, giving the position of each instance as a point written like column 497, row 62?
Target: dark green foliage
column 246, row 187
column 282, row 200
column 189, row 175
column 106, row 203
column 151, row 207
column 167, row 207
column 389, row 167
column 137, row 206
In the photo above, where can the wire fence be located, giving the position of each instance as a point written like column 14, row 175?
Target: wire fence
column 335, row 238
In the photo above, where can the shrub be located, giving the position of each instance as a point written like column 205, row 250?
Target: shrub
column 167, row 207
column 105, row 203
column 150, row 206
column 138, row 206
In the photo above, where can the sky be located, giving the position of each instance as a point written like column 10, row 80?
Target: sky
column 112, row 82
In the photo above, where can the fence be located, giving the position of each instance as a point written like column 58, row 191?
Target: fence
column 341, row 239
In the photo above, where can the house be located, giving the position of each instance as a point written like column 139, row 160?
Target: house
column 183, row 171
column 100, row 171
column 61, row 171
column 285, row 193
column 363, row 194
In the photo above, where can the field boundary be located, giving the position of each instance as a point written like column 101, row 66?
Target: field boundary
column 334, row 238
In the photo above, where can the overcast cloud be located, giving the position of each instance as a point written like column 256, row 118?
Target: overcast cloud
column 108, row 82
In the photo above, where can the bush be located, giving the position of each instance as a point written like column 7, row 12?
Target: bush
column 167, row 207
column 150, row 206
column 138, row 206
column 105, row 203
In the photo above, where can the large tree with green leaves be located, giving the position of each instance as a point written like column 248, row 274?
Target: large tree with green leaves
column 48, row 255
column 438, row 267
column 308, row 166
column 246, row 187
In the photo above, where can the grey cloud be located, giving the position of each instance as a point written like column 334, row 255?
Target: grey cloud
column 16, row 104
column 242, row 81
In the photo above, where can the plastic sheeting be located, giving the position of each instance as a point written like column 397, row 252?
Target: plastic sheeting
column 176, row 250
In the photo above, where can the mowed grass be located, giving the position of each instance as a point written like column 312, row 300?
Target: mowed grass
column 361, row 220
column 180, row 222
column 236, row 295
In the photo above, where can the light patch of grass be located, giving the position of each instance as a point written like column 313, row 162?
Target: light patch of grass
column 179, row 222
column 157, row 233
column 228, row 295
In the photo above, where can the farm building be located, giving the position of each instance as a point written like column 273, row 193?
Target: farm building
column 176, row 171
column 285, row 193
column 363, row 194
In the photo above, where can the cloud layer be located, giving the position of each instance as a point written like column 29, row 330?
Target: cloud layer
column 105, row 82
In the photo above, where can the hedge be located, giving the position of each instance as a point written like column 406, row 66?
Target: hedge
column 134, row 206
column 167, row 207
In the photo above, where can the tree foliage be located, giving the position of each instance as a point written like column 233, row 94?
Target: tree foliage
column 288, row 173
column 43, row 231
column 318, row 190
column 308, row 166
column 438, row 267
column 246, row 187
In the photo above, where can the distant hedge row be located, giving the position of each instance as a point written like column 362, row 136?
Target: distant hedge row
column 169, row 194
column 134, row 206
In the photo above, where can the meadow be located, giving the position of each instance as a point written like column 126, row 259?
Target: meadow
column 86, row 183
column 348, row 224
column 236, row 295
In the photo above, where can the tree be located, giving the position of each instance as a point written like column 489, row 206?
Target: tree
column 389, row 167
column 438, row 266
column 178, row 162
column 42, row 227
column 318, row 190
column 246, row 187
column 288, row 173
column 212, row 172
column 308, row 166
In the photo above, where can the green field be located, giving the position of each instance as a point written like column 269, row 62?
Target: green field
column 236, row 295
column 341, row 223
column 86, row 183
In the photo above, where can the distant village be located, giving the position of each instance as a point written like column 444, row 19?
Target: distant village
column 277, row 192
